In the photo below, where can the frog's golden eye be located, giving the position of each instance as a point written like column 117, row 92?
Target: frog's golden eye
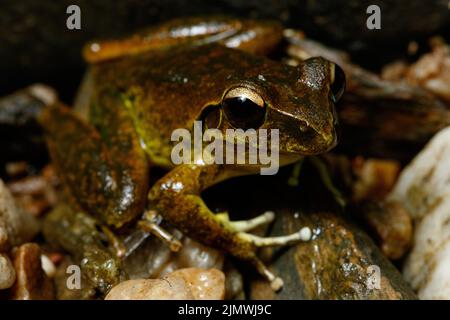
column 337, row 80
column 244, row 108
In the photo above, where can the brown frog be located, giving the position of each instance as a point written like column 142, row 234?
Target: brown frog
column 170, row 77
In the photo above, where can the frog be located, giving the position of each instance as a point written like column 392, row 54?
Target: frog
column 213, row 70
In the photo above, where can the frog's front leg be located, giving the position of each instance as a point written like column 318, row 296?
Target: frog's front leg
column 177, row 197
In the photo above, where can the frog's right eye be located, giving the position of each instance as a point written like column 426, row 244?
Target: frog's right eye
column 244, row 108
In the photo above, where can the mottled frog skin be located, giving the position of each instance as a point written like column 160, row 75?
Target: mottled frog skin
column 165, row 78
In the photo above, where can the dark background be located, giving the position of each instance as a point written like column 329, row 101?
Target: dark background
column 35, row 44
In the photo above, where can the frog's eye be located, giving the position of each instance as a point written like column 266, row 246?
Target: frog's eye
column 337, row 80
column 244, row 108
column 211, row 117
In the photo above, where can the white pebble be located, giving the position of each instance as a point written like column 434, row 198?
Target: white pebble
column 48, row 266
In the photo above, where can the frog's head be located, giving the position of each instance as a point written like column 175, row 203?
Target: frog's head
column 299, row 101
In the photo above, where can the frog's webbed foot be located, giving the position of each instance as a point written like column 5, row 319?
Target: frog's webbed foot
column 151, row 223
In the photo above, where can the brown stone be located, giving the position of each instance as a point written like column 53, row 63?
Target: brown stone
column 31, row 283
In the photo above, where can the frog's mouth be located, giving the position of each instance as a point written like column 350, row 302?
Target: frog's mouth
column 309, row 144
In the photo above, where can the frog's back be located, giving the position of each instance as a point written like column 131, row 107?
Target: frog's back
column 167, row 90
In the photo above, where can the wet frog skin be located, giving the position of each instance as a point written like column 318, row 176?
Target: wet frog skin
column 165, row 78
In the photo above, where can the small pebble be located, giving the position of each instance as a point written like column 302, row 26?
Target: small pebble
column 16, row 226
column 48, row 266
column 151, row 289
column 183, row 284
column 32, row 283
column 7, row 272
column 205, row 284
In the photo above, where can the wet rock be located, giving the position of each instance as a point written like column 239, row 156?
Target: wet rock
column 32, row 283
column 34, row 193
column 48, row 266
column 375, row 178
column 151, row 289
column 16, row 226
column 183, row 284
column 423, row 188
column 20, row 134
column 205, row 284
column 7, row 272
column 333, row 265
column 431, row 71
column 390, row 225
column 234, row 283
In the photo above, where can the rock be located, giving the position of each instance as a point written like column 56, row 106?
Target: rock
column 335, row 264
column 205, row 284
column 183, row 284
column 20, row 134
column 32, row 282
column 431, row 71
column 151, row 289
column 16, row 226
column 7, row 272
column 390, row 224
column 234, row 283
column 48, row 266
column 423, row 188
column 375, row 178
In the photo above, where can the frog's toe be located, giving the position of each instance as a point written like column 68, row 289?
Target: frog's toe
column 276, row 283
column 303, row 234
column 246, row 225
column 151, row 223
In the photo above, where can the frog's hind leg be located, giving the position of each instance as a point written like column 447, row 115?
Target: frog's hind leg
column 105, row 173
column 254, row 36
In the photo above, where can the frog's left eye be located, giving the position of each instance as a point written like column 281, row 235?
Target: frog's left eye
column 337, row 79
column 244, row 108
